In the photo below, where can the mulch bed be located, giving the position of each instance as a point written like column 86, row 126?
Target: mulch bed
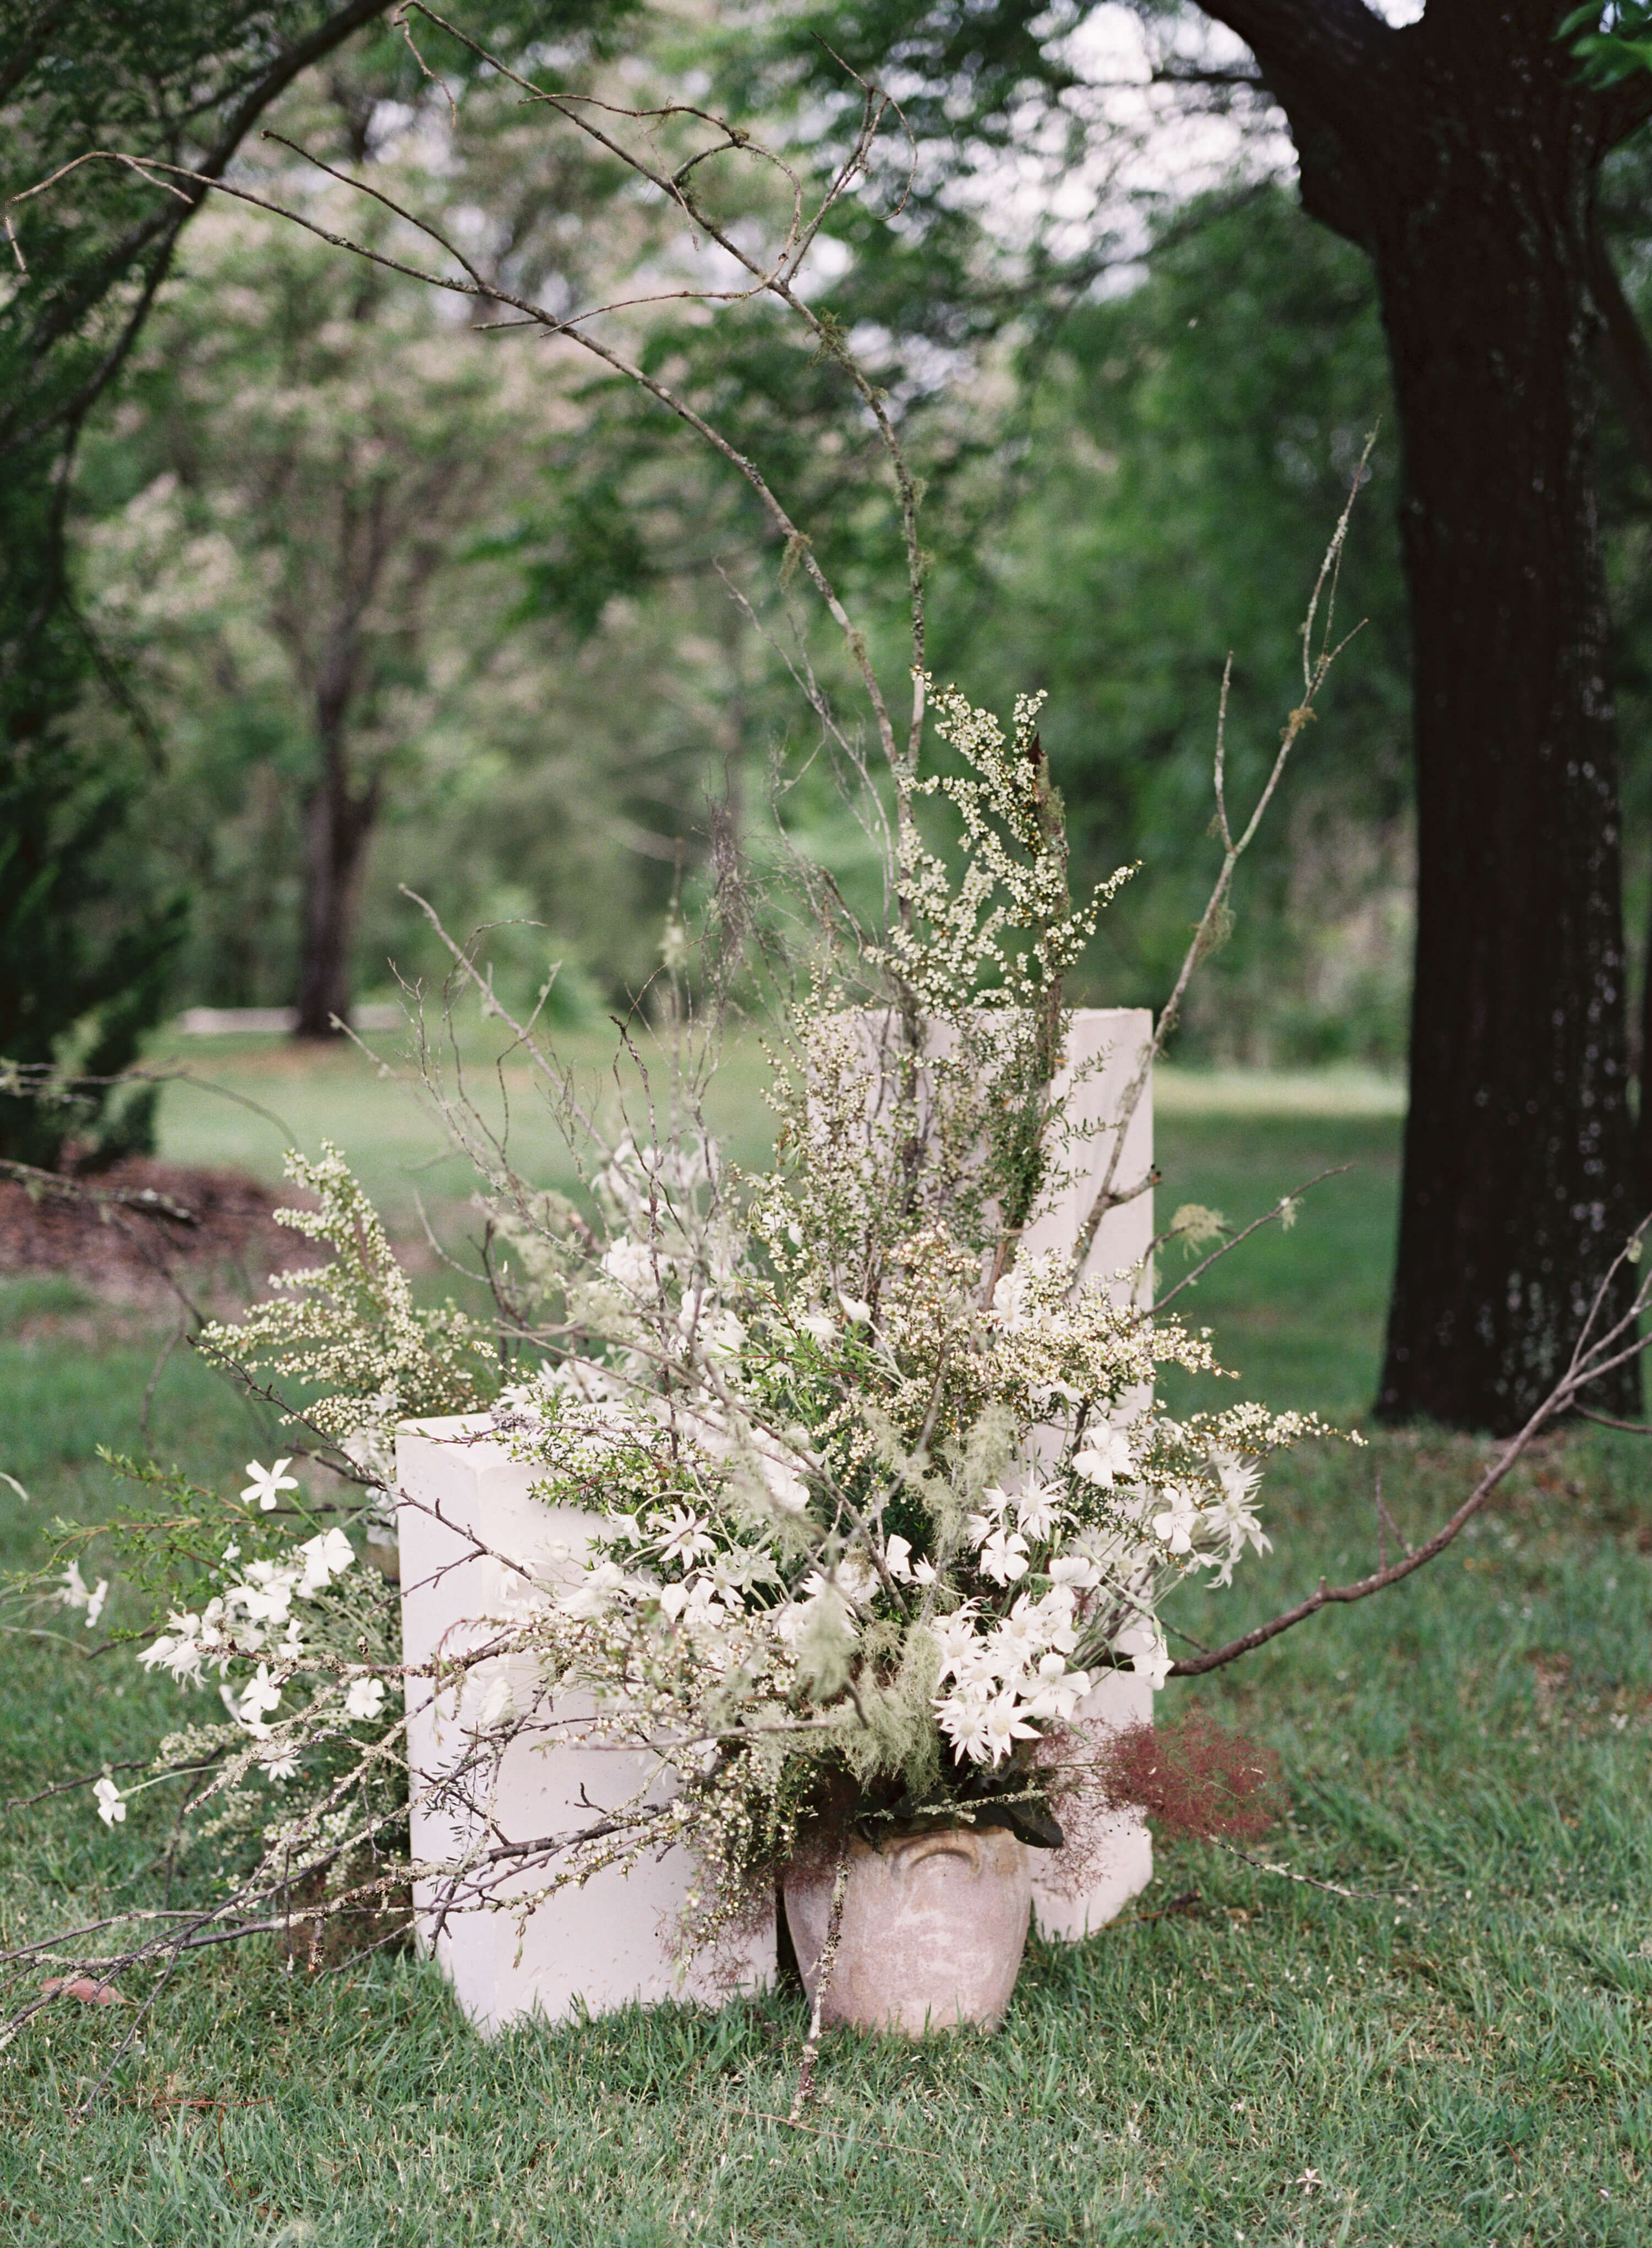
column 125, row 1254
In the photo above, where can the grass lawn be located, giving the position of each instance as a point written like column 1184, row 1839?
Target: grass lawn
column 1461, row 2053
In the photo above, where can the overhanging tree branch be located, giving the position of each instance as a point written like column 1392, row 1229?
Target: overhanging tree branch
column 1620, row 1343
column 158, row 235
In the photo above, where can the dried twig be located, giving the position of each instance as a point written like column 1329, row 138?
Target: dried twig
column 58, row 1186
column 823, row 1967
column 1619, row 1345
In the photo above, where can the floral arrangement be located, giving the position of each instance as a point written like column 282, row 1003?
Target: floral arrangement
column 875, row 1496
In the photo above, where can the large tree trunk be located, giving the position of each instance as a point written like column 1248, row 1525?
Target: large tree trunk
column 1517, row 1146
column 1460, row 153
column 337, row 828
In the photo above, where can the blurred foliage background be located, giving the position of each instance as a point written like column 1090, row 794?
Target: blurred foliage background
column 334, row 545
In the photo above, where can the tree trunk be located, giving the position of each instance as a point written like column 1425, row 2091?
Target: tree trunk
column 338, row 828
column 1460, row 152
column 1517, row 1192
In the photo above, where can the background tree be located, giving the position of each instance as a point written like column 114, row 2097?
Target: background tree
column 1462, row 152
column 319, row 465
column 186, row 83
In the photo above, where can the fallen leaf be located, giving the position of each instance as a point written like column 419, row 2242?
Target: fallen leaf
column 82, row 1987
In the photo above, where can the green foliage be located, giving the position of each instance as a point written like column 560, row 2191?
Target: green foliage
column 1612, row 43
column 182, row 84
column 1148, row 493
column 79, row 983
column 77, row 78
column 1188, row 442
column 351, row 1328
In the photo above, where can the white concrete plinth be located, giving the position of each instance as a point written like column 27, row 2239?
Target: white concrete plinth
column 1109, row 1041
column 1106, row 1043
column 612, row 1939
column 1120, row 1854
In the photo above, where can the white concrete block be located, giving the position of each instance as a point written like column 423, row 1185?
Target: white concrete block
column 1110, row 1040
column 1120, row 1856
column 1107, row 1042
column 612, row 1939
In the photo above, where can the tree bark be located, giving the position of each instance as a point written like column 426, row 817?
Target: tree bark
column 1461, row 154
column 1518, row 1145
column 338, row 825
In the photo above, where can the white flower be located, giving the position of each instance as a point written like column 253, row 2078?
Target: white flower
column 1075, row 1572
column 925, row 1572
column 851, row 1575
column 498, row 1699
column 371, row 1449
column 1038, row 1511
column 266, row 1597
column 1005, row 1724
column 1056, row 1691
column 1175, row 1525
column 724, row 1339
column 858, row 1313
column 594, row 1595
column 1238, row 1477
column 1105, row 1457
column 1020, row 1637
column 684, row 1538
column 995, row 1504
column 898, row 1558
column 1150, row 1657
column 267, row 1483
column 324, row 1557
column 281, row 1766
column 788, row 1624
column 631, row 1263
column 963, row 1719
column 856, row 1579
column 1003, row 1558
column 784, row 1485
column 1231, row 1516
column 694, row 1603
column 259, row 1696
column 520, row 1397
column 365, row 1700
column 179, row 1649
column 110, row 1807
column 956, row 1638
column 583, row 1379
column 75, row 1596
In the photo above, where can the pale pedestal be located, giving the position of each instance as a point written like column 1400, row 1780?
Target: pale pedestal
column 1109, row 1041
column 612, row 1939
column 1113, row 1038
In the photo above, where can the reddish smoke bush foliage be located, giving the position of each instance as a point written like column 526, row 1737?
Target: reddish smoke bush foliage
column 1192, row 1778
